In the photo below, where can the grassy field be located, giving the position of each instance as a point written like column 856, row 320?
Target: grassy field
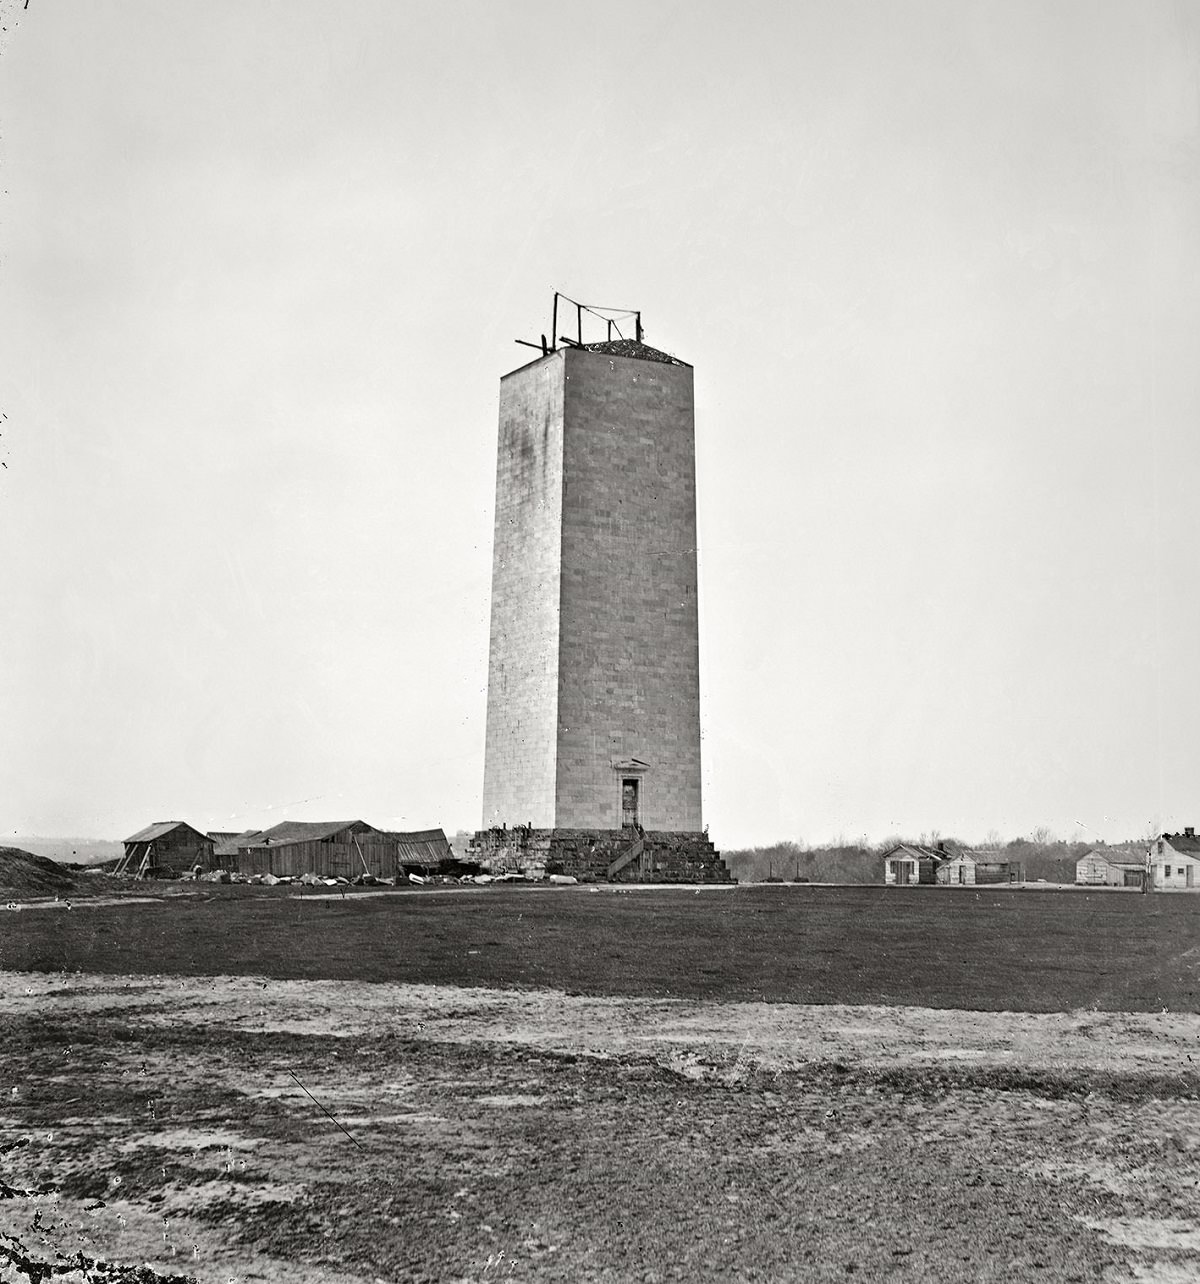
column 569, row 1085
column 987, row 949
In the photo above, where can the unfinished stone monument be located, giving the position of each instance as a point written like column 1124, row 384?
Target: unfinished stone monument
column 593, row 721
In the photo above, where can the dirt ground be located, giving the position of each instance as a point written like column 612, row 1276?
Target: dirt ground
column 265, row 1129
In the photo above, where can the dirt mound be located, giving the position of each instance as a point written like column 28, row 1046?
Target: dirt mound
column 30, row 875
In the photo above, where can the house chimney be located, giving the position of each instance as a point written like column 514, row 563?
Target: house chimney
column 941, row 845
column 1189, row 831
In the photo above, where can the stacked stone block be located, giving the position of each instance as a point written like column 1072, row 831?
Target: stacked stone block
column 586, row 854
column 594, row 661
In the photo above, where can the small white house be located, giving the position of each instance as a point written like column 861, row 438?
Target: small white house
column 1111, row 867
column 1175, row 859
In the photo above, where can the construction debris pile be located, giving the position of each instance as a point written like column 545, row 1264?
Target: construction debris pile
column 30, row 875
column 26, row 877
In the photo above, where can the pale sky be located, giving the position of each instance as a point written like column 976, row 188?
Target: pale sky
column 936, row 265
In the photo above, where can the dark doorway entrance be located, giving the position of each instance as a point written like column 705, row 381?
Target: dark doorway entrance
column 630, row 803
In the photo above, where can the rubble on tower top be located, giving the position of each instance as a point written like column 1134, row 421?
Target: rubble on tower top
column 632, row 348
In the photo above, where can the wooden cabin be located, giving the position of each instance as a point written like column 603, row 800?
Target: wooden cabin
column 959, row 869
column 1111, row 867
column 165, row 849
column 984, row 866
column 911, row 863
column 998, row 871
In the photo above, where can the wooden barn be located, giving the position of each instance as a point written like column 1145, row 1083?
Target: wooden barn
column 1111, row 867
column 164, row 850
column 1176, row 860
column 331, row 849
column 909, row 863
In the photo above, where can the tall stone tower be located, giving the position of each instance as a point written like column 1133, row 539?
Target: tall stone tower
column 593, row 721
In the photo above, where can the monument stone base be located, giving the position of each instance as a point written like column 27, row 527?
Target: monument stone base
column 600, row 855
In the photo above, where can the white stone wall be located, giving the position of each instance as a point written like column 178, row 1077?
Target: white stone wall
column 519, row 764
column 594, row 635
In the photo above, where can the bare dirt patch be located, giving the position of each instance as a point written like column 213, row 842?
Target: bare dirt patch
column 292, row 1130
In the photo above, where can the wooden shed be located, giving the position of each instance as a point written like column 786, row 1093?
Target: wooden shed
column 329, row 849
column 998, row 871
column 993, row 866
column 910, row 863
column 424, row 849
column 1111, row 867
column 164, row 850
column 958, row 869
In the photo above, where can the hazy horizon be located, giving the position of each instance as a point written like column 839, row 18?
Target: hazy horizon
column 936, row 265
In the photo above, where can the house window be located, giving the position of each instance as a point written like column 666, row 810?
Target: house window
column 1181, row 871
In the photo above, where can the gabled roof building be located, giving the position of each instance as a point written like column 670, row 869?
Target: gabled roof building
column 1111, row 867
column 1175, row 860
column 909, row 863
column 166, row 847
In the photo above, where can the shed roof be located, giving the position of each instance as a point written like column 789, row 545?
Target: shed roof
column 158, row 829
column 302, row 831
column 1124, row 857
column 921, row 851
column 996, row 857
column 423, row 847
column 229, row 845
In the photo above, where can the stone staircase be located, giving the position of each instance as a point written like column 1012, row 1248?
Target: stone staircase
column 636, row 851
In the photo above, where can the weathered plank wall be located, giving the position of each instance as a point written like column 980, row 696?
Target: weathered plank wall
column 326, row 860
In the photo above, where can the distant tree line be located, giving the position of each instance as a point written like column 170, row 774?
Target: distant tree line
column 1042, row 857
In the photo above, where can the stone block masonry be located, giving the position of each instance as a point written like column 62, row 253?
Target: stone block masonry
column 593, row 726
column 522, row 733
column 629, row 680
column 594, row 656
column 587, row 854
